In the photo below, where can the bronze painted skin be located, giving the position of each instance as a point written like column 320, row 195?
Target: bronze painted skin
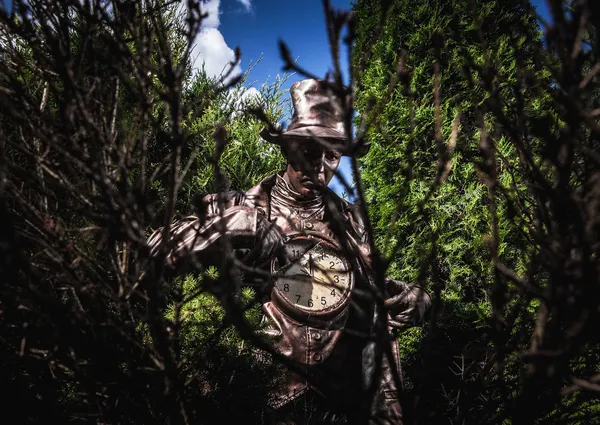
column 326, row 328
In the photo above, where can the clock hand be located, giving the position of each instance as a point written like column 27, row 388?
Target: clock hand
column 330, row 283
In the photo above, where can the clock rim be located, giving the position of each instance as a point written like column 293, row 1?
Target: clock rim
column 303, row 312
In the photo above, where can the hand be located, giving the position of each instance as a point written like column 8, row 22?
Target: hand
column 407, row 304
column 268, row 241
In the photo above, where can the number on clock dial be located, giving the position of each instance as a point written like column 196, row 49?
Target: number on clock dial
column 315, row 280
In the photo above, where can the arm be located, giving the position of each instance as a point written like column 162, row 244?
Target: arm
column 189, row 236
column 407, row 303
column 192, row 237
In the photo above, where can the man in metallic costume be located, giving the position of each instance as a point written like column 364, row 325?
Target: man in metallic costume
column 323, row 308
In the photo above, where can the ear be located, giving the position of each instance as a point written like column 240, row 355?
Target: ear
column 361, row 148
column 283, row 152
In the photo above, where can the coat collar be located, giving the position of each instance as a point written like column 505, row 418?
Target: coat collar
column 259, row 197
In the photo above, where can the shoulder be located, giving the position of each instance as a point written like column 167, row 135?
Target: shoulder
column 353, row 211
column 352, row 214
column 213, row 202
column 258, row 196
column 255, row 197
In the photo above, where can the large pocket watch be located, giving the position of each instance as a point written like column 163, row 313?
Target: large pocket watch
column 312, row 277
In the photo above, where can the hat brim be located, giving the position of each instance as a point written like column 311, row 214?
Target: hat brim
column 311, row 133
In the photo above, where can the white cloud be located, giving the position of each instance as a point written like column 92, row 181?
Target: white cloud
column 212, row 8
column 239, row 99
column 249, row 94
column 246, row 4
column 212, row 51
column 249, row 97
column 210, row 48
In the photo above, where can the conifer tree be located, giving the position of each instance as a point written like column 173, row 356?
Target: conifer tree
column 416, row 63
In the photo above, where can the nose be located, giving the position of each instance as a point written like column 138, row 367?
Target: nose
column 315, row 163
column 318, row 167
column 321, row 164
column 315, row 168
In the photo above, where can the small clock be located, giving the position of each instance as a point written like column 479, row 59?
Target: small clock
column 314, row 279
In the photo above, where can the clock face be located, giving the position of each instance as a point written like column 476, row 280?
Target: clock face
column 315, row 277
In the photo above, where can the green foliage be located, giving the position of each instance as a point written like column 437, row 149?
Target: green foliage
column 215, row 358
column 202, row 315
column 247, row 159
column 402, row 166
column 437, row 234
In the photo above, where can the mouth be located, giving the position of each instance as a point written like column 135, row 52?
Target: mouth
column 308, row 183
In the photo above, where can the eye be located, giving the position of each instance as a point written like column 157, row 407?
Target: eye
column 332, row 155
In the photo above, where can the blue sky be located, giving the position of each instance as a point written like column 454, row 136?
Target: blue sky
column 256, row 26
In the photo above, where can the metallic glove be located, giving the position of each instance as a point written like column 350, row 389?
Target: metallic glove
column 267, row 242
column 407, row 304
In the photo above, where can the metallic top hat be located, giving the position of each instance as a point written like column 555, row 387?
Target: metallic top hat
column 318, row 113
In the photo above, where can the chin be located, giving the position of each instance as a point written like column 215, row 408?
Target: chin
column 311, row 192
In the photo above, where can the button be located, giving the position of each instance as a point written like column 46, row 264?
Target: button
column 308, row 225
column 317, row 357
column 316, row 336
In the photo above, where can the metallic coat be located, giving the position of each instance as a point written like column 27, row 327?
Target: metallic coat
column 339, row 352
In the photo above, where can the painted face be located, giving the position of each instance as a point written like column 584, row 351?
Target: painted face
column 310, row 167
